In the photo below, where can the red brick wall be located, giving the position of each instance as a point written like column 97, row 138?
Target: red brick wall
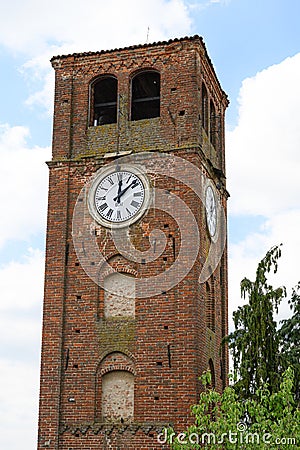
column 167, row 344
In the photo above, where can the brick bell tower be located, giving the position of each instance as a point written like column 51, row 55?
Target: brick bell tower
column 135, row 303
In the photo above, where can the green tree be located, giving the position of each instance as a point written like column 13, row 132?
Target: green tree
column 289, row 340
column 225, row 421
column 261, row 409
column 255, row 342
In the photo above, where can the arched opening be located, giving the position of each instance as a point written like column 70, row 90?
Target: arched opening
column 145, row 95
column 212, row 124
column 204, row 108
column 105, row 93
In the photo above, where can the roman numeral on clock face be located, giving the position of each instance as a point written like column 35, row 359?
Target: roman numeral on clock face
column 109, row 213
column 103, row 207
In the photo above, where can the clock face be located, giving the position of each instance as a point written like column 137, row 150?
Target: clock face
column 211, row 211
column 118, row 197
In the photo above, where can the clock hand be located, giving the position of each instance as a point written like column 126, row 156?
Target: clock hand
column 119, row 195
column 119, row 192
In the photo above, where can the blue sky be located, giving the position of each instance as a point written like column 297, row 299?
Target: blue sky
column 255, row 48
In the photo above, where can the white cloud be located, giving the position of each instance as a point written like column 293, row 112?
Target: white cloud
column 90, row 24
column 204, row 4
column 74, row 26
column 263, row 161
column 18, row 405
column 44, row 97
column 245, row 256
column 263, row 155
column 21, row 282
column 24, row 176
column 21, row 294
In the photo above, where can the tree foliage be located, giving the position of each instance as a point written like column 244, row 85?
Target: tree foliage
column 289, row 341
column 225, row 421
column 255, row 342
column 261, row 408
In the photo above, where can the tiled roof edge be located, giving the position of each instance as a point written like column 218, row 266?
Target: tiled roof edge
column 132, row 47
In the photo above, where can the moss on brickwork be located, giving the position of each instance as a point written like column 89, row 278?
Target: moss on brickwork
column 117, row 334
column 102, row 139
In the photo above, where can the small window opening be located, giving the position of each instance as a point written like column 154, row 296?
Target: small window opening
column 169, row 355
column 213, row 128
column 210, row 306
column 212, row 372
column 105, row 101
column 145, row 102
column 204, row 108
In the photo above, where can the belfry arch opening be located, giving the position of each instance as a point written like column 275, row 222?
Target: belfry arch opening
column 104, row 99
column 145, row 95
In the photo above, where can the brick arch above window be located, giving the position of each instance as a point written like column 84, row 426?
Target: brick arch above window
column 121, row 264
column 107, row 357
column 116, row 361
column 117, row 263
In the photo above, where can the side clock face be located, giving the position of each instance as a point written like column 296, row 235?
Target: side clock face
column 211, row 211
column 119, row 197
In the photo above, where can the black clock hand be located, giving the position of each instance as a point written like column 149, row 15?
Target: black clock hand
column 119, row 192
column 119, row 195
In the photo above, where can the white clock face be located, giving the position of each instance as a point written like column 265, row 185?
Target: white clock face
column 211, row 211
column 118, row 197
